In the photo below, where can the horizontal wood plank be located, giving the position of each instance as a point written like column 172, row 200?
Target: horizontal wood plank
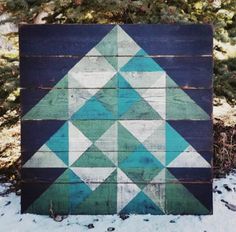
column 197, row 133
column 53, row 40
column 62, row 104
column 187, row 72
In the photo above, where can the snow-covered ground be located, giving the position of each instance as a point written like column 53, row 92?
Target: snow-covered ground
column 223, row 219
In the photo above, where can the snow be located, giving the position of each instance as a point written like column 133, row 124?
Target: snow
column 223, row 218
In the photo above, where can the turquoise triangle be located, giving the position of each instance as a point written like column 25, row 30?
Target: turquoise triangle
column 92, row 109
column 175, row 143
column 122, row 83
column 140, row 158
column 127, row 97
column 141, row 204
column 58, row 143
column 141, row 63
column 78, row 191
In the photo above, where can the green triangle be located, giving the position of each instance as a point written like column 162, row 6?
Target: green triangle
column 141, row 204
column 93, row 129
column 170, row 83
column 179, row 200
column 141, row 176
column 93, row 157
column 56, row 196
column 180, row 105
column 112, row 83
column 127, row 143
column 141, row 109
column 103, row 200
column 54, row 105
column 108, row 47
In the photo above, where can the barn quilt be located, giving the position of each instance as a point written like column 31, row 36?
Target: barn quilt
column 116, row 119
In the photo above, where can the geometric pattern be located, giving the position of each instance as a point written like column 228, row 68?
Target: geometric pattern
column 118, row 149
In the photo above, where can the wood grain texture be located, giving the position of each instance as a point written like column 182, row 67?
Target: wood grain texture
column 76, row 40
column 187, row 72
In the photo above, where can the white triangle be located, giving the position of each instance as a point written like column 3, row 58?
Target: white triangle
column 78, row 143
column 145, row 79
column 44, row 158
column 156, row 99
column 156, row 143
column 189, row 158
column 126, row 190
column 91, row 72
column 141, row 129
column 107, row 143
column 93, row 177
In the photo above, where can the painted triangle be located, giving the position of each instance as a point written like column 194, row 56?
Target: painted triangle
column 93, row 157
column 141, row 176
column 126, row 142
column 92, row 109
column 88, row 176
column 141, row 63
column 36, row 190
column 181, row 106
column 58, row 143
column 189, row 158
column 108, row 47
column 141, row 204
column 44, row 158
column 140, row 158
column 88, row 127
column 141, row 109
column 95, row 204
column 178, row 194
column 175, row 144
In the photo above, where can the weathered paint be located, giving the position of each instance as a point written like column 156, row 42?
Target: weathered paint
column 116, row 119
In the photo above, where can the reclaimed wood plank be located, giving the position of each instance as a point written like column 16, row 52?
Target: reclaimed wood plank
column 187, row 72
column 142, row 103
column 196, row 133
column 76, row 40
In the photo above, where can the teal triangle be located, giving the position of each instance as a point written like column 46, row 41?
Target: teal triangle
column 56, row 197
column 108, row 99
column 140, row 158
column 112, row 83
column 141, row 176
column 108, row 47
column 93, row 157
column 63, row 83
column 141, row 204
column 180, row 106
column 103, row 199
column 58, row 143
column 127, row 143
column 141, row 109
column 54, row 105
column 88, row 127
column 122, row 83
column 93, row 109
column 78, row 190
column 175, row 144
column 126, row 98
column 141, row 63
